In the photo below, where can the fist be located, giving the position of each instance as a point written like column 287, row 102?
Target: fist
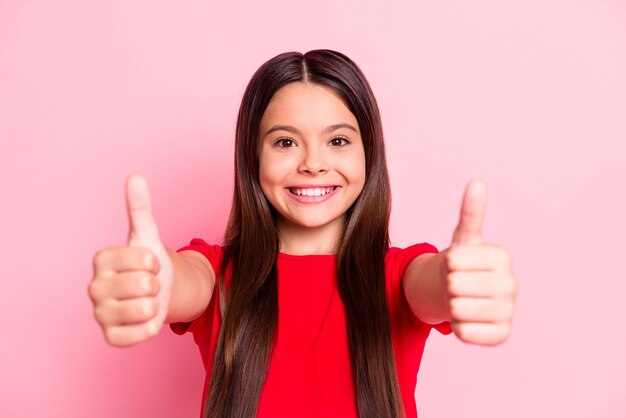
column 131, row 285
column 478, row 277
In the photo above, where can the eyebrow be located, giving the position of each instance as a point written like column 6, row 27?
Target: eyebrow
column 295, row 130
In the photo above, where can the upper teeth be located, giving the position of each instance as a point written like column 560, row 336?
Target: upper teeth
column 317, row 191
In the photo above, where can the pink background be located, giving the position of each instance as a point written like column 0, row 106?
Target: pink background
column 530, row 97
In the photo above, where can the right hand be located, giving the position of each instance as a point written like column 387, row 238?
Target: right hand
column 131, row 285
column 478, row 277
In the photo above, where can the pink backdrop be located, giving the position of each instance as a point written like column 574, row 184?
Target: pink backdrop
column 530, row 97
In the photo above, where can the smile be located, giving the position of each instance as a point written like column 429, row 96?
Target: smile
column 313, row 191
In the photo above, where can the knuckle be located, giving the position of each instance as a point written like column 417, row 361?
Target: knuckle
column 125, row 312
column 506, row 311
column 504, row 256
column 99, row 312
column 102, row 258
column 98, row 258
column 111, row 336
column 455, row 308
column 511, row 310
column 94, row 289
column 508, row 316
column 449, row 258
column 513, row 287
column 108, row 259
column 451, row 287
column 492, row 253
column 508, row 287
column 452, row 283
column 461, row 332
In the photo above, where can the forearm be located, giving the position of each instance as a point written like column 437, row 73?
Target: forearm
column 192, row 287
column 425, row 289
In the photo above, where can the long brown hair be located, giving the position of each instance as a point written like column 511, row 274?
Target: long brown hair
column 249, row 302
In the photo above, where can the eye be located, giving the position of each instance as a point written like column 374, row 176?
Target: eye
column 339, row 141
column 284, row 143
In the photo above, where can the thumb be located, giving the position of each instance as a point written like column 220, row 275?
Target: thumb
column 470, row 228
column 142, row 230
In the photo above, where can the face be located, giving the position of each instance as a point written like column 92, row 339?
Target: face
column 312, row 161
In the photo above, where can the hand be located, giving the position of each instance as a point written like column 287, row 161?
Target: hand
column 478, row 277
column 131, row 286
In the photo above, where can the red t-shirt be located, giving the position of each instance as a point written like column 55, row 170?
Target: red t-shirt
column 310, row 374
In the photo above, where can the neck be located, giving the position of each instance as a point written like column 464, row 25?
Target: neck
column 301, row 240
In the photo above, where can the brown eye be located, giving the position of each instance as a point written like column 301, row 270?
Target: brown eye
column 339, row 141
column 285, row 143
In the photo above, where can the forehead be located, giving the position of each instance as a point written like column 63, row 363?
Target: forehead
column 306, row 104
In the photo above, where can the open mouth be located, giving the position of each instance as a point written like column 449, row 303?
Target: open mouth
column 312, row 191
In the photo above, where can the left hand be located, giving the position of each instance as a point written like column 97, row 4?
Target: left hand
column 478, row 278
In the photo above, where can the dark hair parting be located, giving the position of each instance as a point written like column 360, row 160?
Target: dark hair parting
column 249, row 301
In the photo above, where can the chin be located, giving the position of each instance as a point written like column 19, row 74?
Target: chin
column 311, row 222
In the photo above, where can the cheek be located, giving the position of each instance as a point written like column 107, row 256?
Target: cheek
column 266, row 178
column 272, row 172
column 355, row 169
column 361, row 174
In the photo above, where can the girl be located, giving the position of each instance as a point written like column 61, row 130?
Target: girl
column 305, row 310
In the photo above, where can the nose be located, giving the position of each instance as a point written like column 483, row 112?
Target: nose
column 313, row 162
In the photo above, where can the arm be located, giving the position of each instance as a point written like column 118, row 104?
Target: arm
column 192, row 288
column 424, row 289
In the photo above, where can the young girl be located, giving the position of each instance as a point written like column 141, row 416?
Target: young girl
column 305, row 310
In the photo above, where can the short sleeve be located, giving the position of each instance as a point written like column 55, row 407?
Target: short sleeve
column 213, row 253
column 400, row 260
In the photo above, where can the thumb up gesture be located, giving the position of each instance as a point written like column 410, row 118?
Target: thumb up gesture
column 131, row 285
column 478, row 277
